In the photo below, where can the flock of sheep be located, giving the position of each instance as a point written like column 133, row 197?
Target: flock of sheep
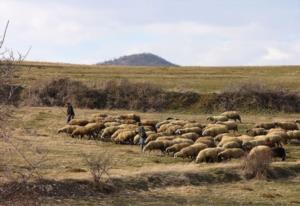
column 216, row 141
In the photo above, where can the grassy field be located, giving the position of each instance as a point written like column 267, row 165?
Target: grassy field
column 199, row 79
column 195, row 185
column 177, row 181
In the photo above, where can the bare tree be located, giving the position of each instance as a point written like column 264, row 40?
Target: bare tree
column 14, row 177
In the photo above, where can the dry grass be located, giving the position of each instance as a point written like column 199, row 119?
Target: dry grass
column 199, row 79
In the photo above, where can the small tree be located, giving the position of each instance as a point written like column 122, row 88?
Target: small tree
column 99, row 167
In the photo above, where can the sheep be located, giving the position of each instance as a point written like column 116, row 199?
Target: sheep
column 257, row 131
column 128, row 126
column 158, row 145
column 264, row 151
column 80, row 131
column 166, row 138
column 190, row 151
column 136, row 139
column 149, row 122
column 206, row 140
column 152, row 137
column 94, row 129
column 108, row 131
column 190, row 125
column 182, row 140
column 197, row 130
column 116, row 133
column 127, row 121
column 266, row 125
column 245, row 138
column 177, row 147
column 287, row 125
column 131, row 116
column 125, row 137
column 253, row 143
column 208, row 154
column 234, row 115
column 68, row 129
column 294, row 134
column 191, row 135
column 111, row 124
column 164, row 127
column 214, row 131
column 219, row 137
column 230, row 125
column 159, row 124
column 172, row 129
column 232, row 144
column 217, row 118
column 79, row 122
column 179, row 122
column 227, row 139
column 230, row 153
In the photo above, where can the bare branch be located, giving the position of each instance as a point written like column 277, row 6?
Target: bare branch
column 4, row 34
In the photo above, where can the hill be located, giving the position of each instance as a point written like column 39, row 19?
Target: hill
column 143, row 59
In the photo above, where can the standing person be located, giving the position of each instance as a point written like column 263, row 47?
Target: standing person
column 142, row 134
column 70, row 112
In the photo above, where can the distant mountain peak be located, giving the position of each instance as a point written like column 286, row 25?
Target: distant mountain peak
column 142, row 59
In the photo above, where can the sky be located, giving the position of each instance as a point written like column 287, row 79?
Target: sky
column 185, row 32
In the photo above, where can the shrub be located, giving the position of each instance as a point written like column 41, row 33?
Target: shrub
column 99, row 166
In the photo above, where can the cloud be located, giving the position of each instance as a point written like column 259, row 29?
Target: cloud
column 276, row 54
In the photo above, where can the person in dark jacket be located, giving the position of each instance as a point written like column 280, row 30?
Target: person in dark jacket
column 70, row 112
column 142, row 134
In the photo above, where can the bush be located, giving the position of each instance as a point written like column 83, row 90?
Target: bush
column 99, row 166
column 254, row 97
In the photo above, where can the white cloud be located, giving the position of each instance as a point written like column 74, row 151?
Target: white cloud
column 276, row 54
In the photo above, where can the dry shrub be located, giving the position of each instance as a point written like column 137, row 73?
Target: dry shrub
column 111, row 94
column 254, row 97
column 58, row 92
column 99, row 167
column 257, row 166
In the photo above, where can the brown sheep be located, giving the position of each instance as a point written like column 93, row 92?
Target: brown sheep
column 257, row 131
column 217, row 118
column 188, row 130
column 209, row 155
column 191, row 135
column 260, row 150
column 294, row 134
column 159, row 124
column 94, row 129
column 158, row 145
column 131, row 116
column 68, row 129
column 111, row 124
column 230, row 125
column 177, row 147
column 245, row 138
column 287, row 125
column 219, row 137
column 80, row 132
column 190, row 151
column 234, row 115
column 108, row 131
column 190, row 125
column 230, row 154
column 149, row 122
column 232, row 144
column 214, row 131
column 266, row 125
column 172, row 129
column 125, row 137
column 153, row 137
column 206, row 140
column 182, row 140
column 227, row 139
column 166, row 138
column 79, row 122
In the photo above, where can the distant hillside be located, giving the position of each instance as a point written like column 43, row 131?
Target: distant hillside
column 144, row 59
